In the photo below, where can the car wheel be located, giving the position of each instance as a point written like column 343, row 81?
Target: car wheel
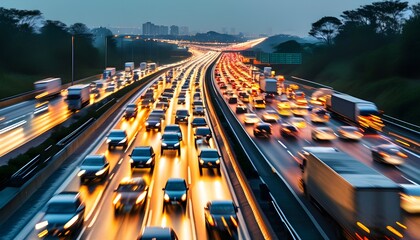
column 116, row 211
column 179, row 152
column 163, row 208
column 109, row 147
column 201, row 171
column 218, row 171
column 125, row 146
column 161, row 152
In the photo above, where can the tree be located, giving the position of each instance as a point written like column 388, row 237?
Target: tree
column 415, row 9
column 325, row 29
column 290, row 46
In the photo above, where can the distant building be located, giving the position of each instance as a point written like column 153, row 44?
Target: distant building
column 184, row 30
column 174, row 30
column 163, row 30
column 148, row 28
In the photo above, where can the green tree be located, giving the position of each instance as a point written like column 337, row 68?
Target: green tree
column 325, row 29
column 290, row 46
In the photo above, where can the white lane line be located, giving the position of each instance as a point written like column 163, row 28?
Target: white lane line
column 13, row 126
column 366, row 146
column 413, row 182
column 81, row 234
column 290, row 153
column 150, row 218
column 192, row 219
column 282, row 144
column 94, row 206
column 119, row 162
column 189, row 175
column 112, row 175
column 306, row 140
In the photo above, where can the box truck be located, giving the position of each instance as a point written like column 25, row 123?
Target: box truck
column 268, row 85
column 365, row 203
column 109, row 72
column 143, row 66
column 152, row 67
column 47, row 88
column 361, row 112
column 78, row 96
column 129, row 68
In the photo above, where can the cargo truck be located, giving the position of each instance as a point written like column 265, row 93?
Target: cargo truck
column 47, row 88
column 267, row 71
column 268, row 85
column 143, row 66
column 109, row 72
column 361, row 112
column 129, row 68
column 152, row 67
column 78, row 96
column 365, row 203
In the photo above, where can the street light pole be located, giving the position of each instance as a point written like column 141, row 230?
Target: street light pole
column 106, row 51
column 72, row 59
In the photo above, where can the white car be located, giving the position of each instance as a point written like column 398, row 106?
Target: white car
column 270, row 116
column 349, row 133
column 323, row 133
column 251, row 118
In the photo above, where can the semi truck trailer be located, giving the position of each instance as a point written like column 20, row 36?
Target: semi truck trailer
column 78, row 96
column 365, row 203
column 47, row 88
column 268, row 85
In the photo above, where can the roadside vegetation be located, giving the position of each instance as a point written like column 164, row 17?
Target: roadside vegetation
column 372, row 52
column 33, row 48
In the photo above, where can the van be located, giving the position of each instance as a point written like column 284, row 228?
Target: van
column 233, row 99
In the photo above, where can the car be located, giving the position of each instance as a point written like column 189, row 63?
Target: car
column 285, row 112
column 153, row 121
column 158, row 233
column 142, row 157
column 110, row 88
column 410, row 198
column 170, row 141
column 197, row 103
column 233, row 99
column 389, row 154
column 181, row 100
column 162, row 105
column 269, row 97
column 299, row 122
column 201, row 132
column 164, row 99
column 197, row 96
column 258, row 103
column 241, row 108
column 117, row 138
column 262, row 129
column 175, row 192
column 349, row 133
column 288, row 130
column 64, row 216
column 320, row 115
column 94, row 167
column 270, row 116
column 181, row 116
column 174, row 128
column 198, row 122
column 198, row 111
column 130, row 111
column 182, row 95
column 130, row 195
column 245, row 98
column 146, row 103
column 251, row 118
column 220, row 215
column 209, row 158
column 323, row 133
column 299, row 95
column 300, row 110
column 168, row 95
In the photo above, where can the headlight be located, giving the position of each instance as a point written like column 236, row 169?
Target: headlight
column 164, row 144
column 184, row 197
column 108, row 140
column 81, row 172
column 176, row 144
column 201, row 161
column 149, row 161
column 123, row 141
column 166, row 197
column 235, row 223
column 141, row 197
column 217, row 161
column 131, row 160
column 117, row 199
column 41, row 225
column 158, row 124
column 211, row 221
column 71, row 222
column 147, row 124
column 100, row 172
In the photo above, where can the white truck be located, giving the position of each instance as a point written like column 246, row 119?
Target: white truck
column 268, row 85
column 129, row 68
column 359, row 111
column 109, row 72
column 143, row 66
column 267, row 71
column 361, row 200
column 152, row 67
column 78, row 96
column 47, row 88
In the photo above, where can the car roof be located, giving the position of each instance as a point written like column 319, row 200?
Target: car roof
column 142, row 147
column 176, row 180
column 137, row 180
column 67, row 196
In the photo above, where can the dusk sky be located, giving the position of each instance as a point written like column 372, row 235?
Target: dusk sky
column 254, row 17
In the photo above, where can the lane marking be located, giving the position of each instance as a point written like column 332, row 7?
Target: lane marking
column 81, row 234
column 189, row 175
column 112, row 175
column 94, row 206
column 119, row 162
column 192, row 219
column 282, row 144
column 150, row 218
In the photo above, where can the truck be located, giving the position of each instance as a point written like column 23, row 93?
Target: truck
column 365, row 203
column 129, row 68
column 47, row 88
column 78, row 96
column 143, row 66
column 152, row 67
column 109, row 72
column 267, row 71
column 268, row 85
column 359, row 111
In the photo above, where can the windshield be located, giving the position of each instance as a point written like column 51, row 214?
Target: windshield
column 220, row 209
column 73, row 96
column 93, row 161
column 209, row 154
column 117, row 134
column 62, row 207
column 133, row 187
column 141, row 152
column 170, row 136
column 177, row 186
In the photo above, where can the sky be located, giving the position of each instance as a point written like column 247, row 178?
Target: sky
column 247, row 16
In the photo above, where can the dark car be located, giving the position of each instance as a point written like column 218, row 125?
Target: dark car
column 131, row 111
column 64, row 216
column 181, row 115
column 131, row 195
column 198, row 122
column 146, row 103
column 389, row 154
column 209, row 158
column 198, row 111
column 262, row 129
column 288, row 130
column 197, row 103
column 117, row 138
column 175, row 192
column 181, row 100
column 201, row 132
column 142, row 157
column 154, row 121
column 94, row 167
column 174, row 128
column 158, row 233
column 162, row 105
column 241, row 108
column 170, row 141
column 220, row 215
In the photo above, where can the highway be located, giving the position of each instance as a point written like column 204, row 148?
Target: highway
column 283, row 152
column 100, row 220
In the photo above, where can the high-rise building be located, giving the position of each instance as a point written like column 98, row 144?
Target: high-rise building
column 163, row 30
column 148, row 28
column 184, row 30
column 174, row 30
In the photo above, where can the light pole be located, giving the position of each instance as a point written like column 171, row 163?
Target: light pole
column 106, row 51
column 72, row 59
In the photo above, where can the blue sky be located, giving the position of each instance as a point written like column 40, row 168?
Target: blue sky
column 249, row 16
